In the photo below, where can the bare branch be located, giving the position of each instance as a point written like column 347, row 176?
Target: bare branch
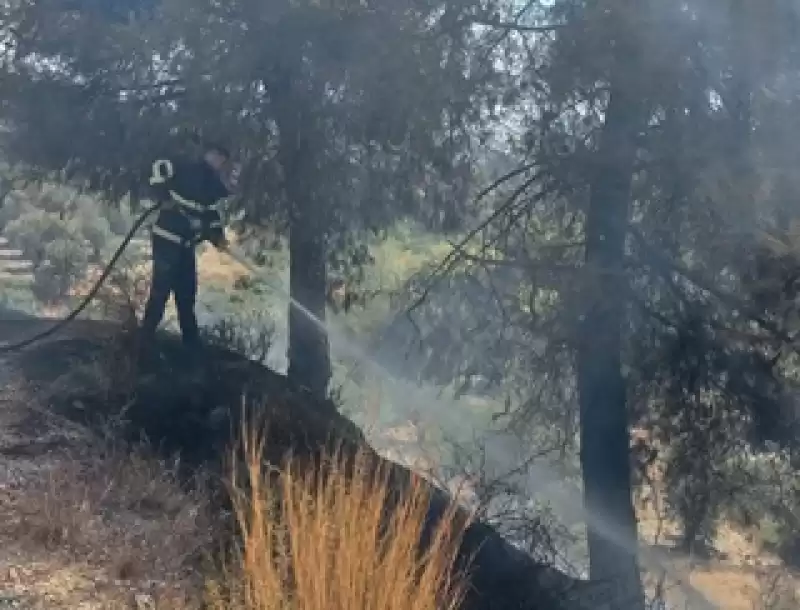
column 510, row 26
column 526, row 264
column 453, row 257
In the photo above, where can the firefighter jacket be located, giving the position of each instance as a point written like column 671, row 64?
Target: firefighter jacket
column 190, row 193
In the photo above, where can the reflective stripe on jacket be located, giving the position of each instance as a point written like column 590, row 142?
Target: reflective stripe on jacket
column 190, row 193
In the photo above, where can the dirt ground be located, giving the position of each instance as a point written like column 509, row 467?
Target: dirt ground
column 742, row 576
column 85, row 526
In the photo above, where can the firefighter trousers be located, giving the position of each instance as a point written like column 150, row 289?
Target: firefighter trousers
column 174, row 272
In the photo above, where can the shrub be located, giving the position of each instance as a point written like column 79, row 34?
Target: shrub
column 767, row 499
column 88, row 225
column 252, row 340
column 119, row 220
column 59, row 231
column 31, row 231
column 13, row 207
column 65, row 262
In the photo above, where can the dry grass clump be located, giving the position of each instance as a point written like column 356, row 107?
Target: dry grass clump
column 326, row 538
column 126, row 502
column 122, row 514
column 778, row 590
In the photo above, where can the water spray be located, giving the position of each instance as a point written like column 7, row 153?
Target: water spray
column 648, row 557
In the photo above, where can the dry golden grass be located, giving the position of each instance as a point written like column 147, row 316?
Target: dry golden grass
column 324, row 538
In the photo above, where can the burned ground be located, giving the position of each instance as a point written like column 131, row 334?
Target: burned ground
column 195, row 411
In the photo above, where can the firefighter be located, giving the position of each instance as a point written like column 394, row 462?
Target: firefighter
column 189, row 192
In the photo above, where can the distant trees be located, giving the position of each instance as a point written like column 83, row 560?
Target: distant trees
column 60, row 231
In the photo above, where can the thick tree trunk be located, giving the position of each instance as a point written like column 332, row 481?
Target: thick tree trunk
column 612, row 532
column 309, row 363
column 308, row 352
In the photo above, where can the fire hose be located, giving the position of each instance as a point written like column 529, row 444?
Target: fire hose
column 90, row 296
column 231, row 250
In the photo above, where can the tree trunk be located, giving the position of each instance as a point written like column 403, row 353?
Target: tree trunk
column 309, row 363
column 612, row 531
column 308, row 353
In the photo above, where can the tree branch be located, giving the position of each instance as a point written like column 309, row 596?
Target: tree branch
column 457, row 252
column 513, row 263
column 510, row 26
column 665, row 264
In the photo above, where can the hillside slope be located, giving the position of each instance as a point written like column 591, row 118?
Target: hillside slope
column 87, row 377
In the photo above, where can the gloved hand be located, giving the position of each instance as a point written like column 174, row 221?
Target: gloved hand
column 230, row 177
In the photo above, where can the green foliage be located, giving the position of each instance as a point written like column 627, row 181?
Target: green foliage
column 58, row 230
column 241, row 335
column 18, row 299
column 243, row 319
column 764, row 496
column 398, row 117
column 31, row 231
column 64, row 263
